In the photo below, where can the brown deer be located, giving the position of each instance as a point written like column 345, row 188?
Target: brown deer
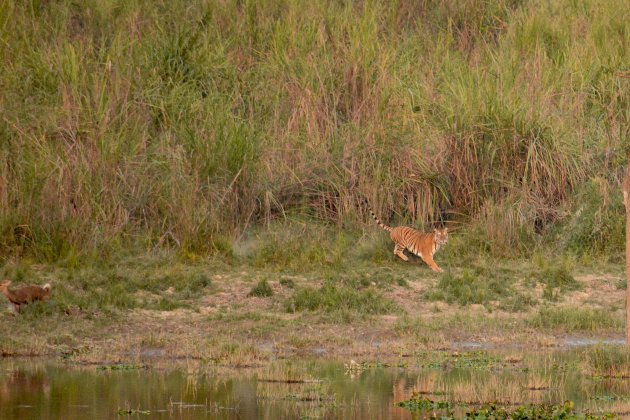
column 25, row 294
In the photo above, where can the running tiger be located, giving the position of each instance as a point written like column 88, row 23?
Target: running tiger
column 424, row 245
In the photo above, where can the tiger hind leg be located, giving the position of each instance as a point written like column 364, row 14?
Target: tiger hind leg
column 399, row 251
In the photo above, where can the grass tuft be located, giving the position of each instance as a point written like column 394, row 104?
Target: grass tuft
column 479, row 286
column 576, row 319
column 262, row 289
column 611, row 361
column 332, row 298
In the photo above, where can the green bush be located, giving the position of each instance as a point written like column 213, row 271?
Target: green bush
column 559, row 277
column 262, row 289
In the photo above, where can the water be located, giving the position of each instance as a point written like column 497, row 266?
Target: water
column 47, row 389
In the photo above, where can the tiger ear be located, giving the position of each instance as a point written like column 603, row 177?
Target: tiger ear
column 445, row 229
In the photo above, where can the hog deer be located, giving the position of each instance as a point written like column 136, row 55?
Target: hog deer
column 25, row 294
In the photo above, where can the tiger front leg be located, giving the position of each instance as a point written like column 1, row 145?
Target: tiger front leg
column 432, row 264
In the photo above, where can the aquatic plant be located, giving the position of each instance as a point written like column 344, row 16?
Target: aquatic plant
column 497, row 411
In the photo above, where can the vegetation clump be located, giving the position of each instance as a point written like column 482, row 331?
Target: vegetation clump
column 262, row 289
column 495, row 410
column 533, row 411
column 557, row 278
column 479, row 286
column 576, row 319
column 122, row 366
column 607, row 361
column 418, row 402
column 332, row 298
column 288, row 283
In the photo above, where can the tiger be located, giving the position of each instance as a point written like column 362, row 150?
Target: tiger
column 424, row 245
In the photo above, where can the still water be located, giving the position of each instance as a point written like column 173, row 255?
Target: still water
column 47, row 389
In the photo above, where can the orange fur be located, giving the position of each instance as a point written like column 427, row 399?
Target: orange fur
column 24, row 294
column 424, row 245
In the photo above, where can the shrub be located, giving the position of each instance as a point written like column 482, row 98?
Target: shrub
column 262, row 289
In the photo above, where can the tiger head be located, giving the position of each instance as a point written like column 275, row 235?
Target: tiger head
column 441, row 236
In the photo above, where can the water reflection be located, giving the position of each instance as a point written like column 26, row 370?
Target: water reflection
column 309, row 389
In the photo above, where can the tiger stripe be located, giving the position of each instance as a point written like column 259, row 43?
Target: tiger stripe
column 424, row 245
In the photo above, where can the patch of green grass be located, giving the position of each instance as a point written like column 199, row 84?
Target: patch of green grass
column 478, row 360
column 262, row 289
column 518, row 302
column 532, row 411
column 361, row 278
column 169, row 304
column 288, row 283
column 300, row 248
column 557, row 278
column 129, row 284
column 485, row 411
column 596, row 223
column 421, row 403
column 576, row 319
column 331, row 298
column 422, row 331
column 198, row 281
column 479, row 286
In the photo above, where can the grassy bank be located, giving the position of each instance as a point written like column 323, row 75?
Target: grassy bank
column 239, row 312
column 158, row 124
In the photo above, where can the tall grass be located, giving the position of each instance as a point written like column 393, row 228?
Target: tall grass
column 183, row 124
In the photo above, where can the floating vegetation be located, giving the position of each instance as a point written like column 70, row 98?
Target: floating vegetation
column 534, row 411
column 354, row 368
column 473, row 360
column 122, row 366
column 417, row 402
column 479, row 360
column 611, row 398
column 496, row 411
column 291, row 381
column 132, row 412
column 309, row 397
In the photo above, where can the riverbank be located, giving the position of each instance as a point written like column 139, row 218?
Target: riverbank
column 237, row 314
